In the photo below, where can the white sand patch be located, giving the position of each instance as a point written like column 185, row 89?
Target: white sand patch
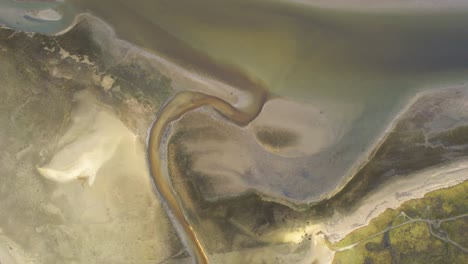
column 317, row 252
column 89, row 143
column 45, row 14
column 107, row 82
column 118, row 219
column 313, row 251
column 65, row 54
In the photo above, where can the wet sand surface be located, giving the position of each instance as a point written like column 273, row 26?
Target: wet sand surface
column 329, row 59
column 174, row 109
column 56, row 114
column 317, row 56
column 326, row 58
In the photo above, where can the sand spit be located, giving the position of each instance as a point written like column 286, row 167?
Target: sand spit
column 44, row 15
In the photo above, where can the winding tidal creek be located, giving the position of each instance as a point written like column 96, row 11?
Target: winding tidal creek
column 301, row 113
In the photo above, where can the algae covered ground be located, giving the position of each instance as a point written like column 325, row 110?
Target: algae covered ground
column 433, row 229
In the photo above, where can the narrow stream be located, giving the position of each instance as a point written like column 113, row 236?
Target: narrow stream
column 373, row 60
column 174, row 109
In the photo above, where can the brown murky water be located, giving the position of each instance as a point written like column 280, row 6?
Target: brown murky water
column 179, row 105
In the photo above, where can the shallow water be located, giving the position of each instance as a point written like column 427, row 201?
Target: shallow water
column 303, row 52
column 18, row 15
column 329, row 58
column 349, row 65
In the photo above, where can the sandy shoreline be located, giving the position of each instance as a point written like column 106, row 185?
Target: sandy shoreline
column 183, row 78
column 380, row 139
column 395, row 193
column 414, row 186
column 240, row 99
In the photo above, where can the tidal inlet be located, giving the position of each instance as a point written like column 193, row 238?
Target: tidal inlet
column 234, row 131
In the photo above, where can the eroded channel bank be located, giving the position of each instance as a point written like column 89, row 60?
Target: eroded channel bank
column 174, row 109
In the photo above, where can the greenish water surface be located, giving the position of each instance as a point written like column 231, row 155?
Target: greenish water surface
column 304, row 53
column 17, row 15
column 374, row 61
column 371, row 60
